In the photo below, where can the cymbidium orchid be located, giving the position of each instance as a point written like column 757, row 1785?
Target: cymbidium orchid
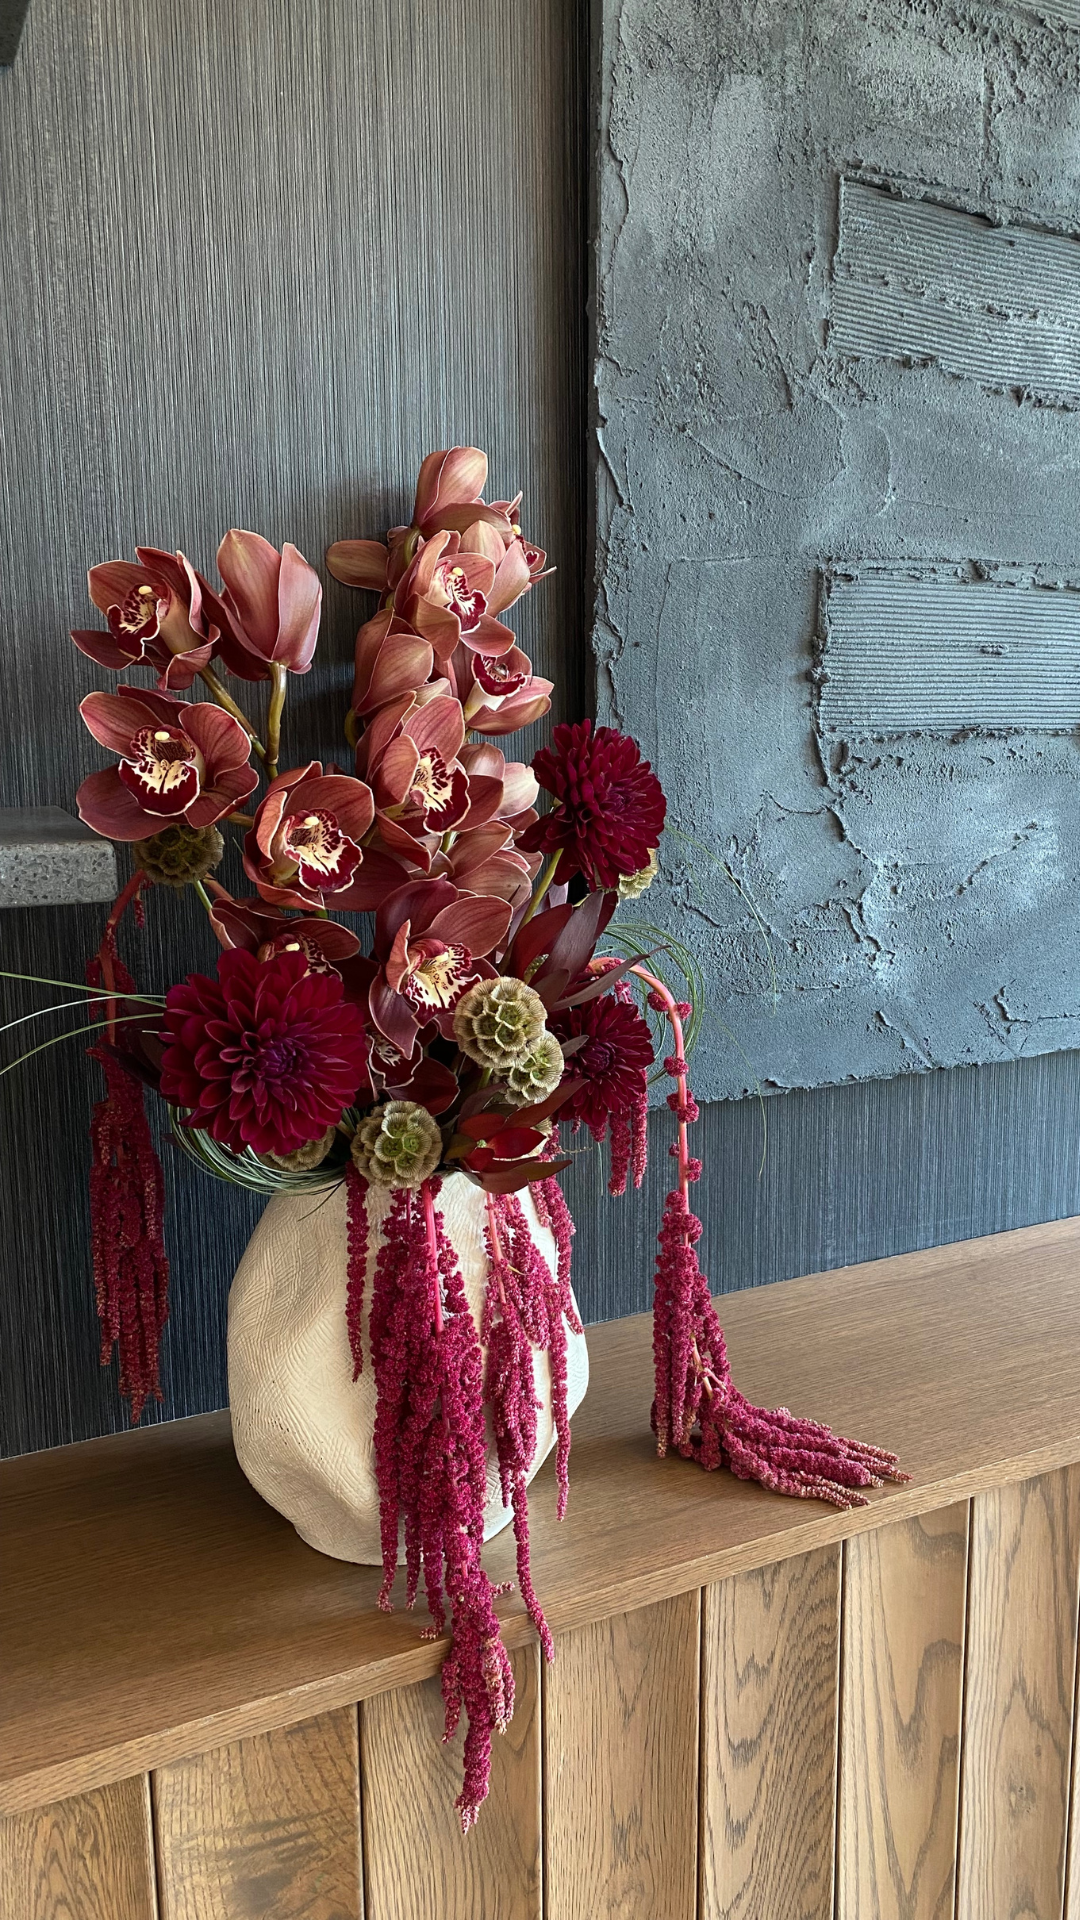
column 431, row 944
column 500, row 695
column 481, row 1020
column 449, row 596
column 160, row 613
column 177, row 761
column 273, row 601
column 305, row 844
column 263, row 930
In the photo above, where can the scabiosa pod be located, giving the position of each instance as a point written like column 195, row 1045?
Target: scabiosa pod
column 498, row 1021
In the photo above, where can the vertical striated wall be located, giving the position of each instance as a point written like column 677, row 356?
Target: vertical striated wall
column 256, row 260
column 838, row 482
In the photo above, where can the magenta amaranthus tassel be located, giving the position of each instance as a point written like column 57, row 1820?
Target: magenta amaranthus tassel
column 127, row 1195
column 697, row 1410
column 430, row 1453
column 525, row 1308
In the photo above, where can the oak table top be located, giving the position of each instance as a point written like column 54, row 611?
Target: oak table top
column 151, row 1605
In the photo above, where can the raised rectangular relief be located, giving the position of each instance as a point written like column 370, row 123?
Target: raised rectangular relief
column 918, row 282
column 944, row 652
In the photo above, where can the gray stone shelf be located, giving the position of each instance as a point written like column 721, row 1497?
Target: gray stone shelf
column 48, row 859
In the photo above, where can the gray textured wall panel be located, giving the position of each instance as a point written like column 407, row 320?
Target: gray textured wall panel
column 859, row 909
column 256, row 260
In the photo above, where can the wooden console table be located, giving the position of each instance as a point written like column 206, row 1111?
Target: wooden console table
column 760, row 1707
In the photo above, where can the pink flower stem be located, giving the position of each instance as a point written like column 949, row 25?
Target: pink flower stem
column 671, row 1009
column 433, row 1251
column 128, row 896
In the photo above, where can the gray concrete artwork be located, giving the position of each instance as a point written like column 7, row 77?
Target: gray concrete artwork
column 837, row 448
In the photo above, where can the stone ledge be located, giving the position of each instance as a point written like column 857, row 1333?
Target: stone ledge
column 48, row 859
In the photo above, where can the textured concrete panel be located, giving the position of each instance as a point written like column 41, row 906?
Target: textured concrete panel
column 862, row 904
column 916, row 281
column 906, row 655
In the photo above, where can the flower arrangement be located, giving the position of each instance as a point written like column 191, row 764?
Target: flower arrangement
column 482, row 1018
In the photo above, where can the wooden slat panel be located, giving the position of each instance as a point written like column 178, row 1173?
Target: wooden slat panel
column 1020, row 1666
column 417, row 1866
column 88, row 1858
column 965, row 1359
column 905, row 1593
column 268, row 1826
column 769, row 1710
column 621, row 1766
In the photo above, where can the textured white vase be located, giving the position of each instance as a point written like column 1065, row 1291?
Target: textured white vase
column 302, row 1427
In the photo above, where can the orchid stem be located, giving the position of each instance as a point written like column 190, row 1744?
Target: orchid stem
column 546, row 879
column 225, row 699
column 204, row 897
column 241, row 820
column 280, row 679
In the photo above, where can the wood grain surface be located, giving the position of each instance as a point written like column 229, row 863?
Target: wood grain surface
column 770, row 1663
column 250, row 1629
column 621, row 1766
column 905, row 1593
column 1019, row 1696
column 416, row 1863
column 87, row 1858
column 264, row 1829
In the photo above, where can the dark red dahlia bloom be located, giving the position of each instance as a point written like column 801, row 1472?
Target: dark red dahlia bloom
column 265, row 1056
column 610, row 1067
column 609, row 805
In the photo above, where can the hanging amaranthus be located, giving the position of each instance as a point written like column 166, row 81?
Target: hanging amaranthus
column 127, row 1198
column 430, row 1457
column 697, row 1410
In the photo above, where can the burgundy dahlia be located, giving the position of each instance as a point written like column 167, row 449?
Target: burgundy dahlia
column 265, row 1056
column 611, row 1067
column 609, row 805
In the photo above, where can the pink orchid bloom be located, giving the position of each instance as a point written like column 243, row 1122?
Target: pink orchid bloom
column 420, row 786
column 485, row 860
column 161, row 613
column 391, row 660
column 518, row 787
column 273, row 601
column 305, row 845
column 535, row 557
column 448, row 492
column 499, row 695
column 430, row 941
column 447, row 595
column 265, row 930
column 178, row 761
column 507, row 556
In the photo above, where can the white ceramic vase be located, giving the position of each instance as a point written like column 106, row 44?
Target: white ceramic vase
column 302, row 1427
